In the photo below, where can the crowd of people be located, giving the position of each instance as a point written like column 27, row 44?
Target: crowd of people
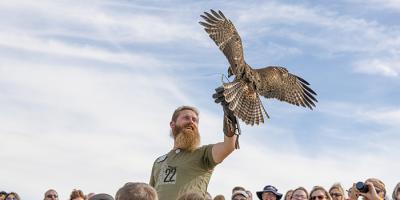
column 183, row 173
column 375, row 190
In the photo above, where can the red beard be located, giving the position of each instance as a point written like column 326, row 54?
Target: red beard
column 187, row 137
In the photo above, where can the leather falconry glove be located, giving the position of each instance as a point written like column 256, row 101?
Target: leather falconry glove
column 230, row 122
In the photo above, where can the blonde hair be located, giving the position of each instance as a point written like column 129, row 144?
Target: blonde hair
column 301, row 189
column 377, row 184
column 315, row 188
column 339, row 187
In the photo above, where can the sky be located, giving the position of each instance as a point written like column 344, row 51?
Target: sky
column 87, row 90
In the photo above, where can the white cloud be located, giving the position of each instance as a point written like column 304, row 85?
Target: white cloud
column 72, row 118
column 98, row 22
column 389, row 67
column 328, row 30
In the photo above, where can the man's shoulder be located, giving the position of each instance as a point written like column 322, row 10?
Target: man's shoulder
column 161, row 158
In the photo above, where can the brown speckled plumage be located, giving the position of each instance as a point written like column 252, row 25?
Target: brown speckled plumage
column 242, row 94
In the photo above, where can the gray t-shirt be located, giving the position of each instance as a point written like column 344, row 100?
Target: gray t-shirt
column 180, row 171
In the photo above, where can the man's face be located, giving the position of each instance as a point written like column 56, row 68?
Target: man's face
column 318, row 195
column 185, row 130
column 268, row 196
column 51, row 195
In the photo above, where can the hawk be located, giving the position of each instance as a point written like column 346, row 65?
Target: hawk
column 242, row 95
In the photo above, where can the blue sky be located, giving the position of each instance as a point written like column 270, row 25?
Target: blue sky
column 87, row 90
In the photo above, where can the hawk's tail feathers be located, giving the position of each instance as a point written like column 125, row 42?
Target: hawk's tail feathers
column 245, row 103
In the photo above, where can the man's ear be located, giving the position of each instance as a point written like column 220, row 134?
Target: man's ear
column 172, row 124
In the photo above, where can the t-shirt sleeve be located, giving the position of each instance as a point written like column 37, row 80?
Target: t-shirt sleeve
column 208, row 160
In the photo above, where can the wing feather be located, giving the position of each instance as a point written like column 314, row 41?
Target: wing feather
column 278, row 83
column 226, row 37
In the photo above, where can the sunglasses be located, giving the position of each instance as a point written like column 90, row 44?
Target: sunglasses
column 336, row 194
column 52, row 195
column 317, row 197
column 296, row 196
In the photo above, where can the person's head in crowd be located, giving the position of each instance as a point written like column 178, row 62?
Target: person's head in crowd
column 336, row 191
column 77, row 195
column 219, row 197
column 299, row 193
column 3, row 195
column 136, row 191
column 376, row 190
column 50, row 194
column 269, row 193
column 240, row 195
column 100, row 196
column 191, row 196
column 238, row 188
column 288, row 195
column 396, row 192
column 250, row 194
column 208, row 196
column 319, row 193
column 12, row 196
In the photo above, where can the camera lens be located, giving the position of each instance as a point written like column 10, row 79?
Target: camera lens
column 362, row 187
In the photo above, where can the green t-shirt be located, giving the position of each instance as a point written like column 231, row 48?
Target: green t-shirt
column 181, row 171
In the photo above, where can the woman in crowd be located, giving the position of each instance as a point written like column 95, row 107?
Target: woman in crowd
column 319, row 193
column 12, row 196
column 337, row 192
column 299, row 193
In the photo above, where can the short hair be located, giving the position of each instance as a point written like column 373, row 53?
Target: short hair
column 302, row 189
column 136, row 191
column 181, row 108
column 240, row 188
column 76, row 194
column 191, row 196
column 219, row 197
column 315, row 188
column 15, row 195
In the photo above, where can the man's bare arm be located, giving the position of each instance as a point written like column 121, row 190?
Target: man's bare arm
column 222, row 150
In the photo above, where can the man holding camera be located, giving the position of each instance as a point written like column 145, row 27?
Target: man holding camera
column 371, row 189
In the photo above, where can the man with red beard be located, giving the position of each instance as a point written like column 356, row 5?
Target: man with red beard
column 188, row 167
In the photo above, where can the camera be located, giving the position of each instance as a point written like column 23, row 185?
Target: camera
column 362, row 187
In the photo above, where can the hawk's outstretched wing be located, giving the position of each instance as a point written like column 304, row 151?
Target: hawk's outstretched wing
column 278, row 83
column 225, row 36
